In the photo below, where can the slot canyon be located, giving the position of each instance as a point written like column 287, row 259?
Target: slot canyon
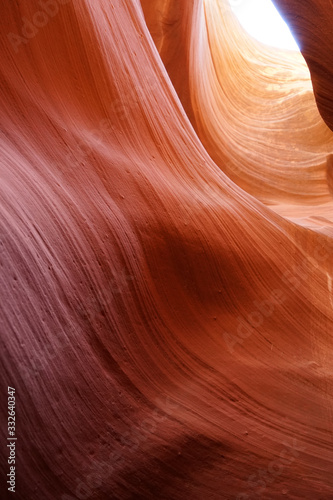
column 166, row 252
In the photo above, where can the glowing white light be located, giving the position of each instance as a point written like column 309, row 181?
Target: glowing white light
column 261, row 20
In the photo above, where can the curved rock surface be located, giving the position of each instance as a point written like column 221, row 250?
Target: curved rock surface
column 166, row 253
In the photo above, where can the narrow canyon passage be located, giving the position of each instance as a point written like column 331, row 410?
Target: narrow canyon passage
column 166, row 252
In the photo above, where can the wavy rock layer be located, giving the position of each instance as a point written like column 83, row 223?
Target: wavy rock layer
column 166, row 256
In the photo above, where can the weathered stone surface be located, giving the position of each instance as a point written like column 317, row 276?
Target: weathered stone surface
column 166, row 252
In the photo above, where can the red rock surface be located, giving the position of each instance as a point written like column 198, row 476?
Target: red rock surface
column 166, row 252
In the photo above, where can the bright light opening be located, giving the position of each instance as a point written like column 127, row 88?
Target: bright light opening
column 263, row 22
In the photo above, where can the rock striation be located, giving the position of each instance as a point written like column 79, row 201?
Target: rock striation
column 166, row 251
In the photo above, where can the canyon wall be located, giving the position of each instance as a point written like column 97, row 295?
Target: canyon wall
column 166, row 252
